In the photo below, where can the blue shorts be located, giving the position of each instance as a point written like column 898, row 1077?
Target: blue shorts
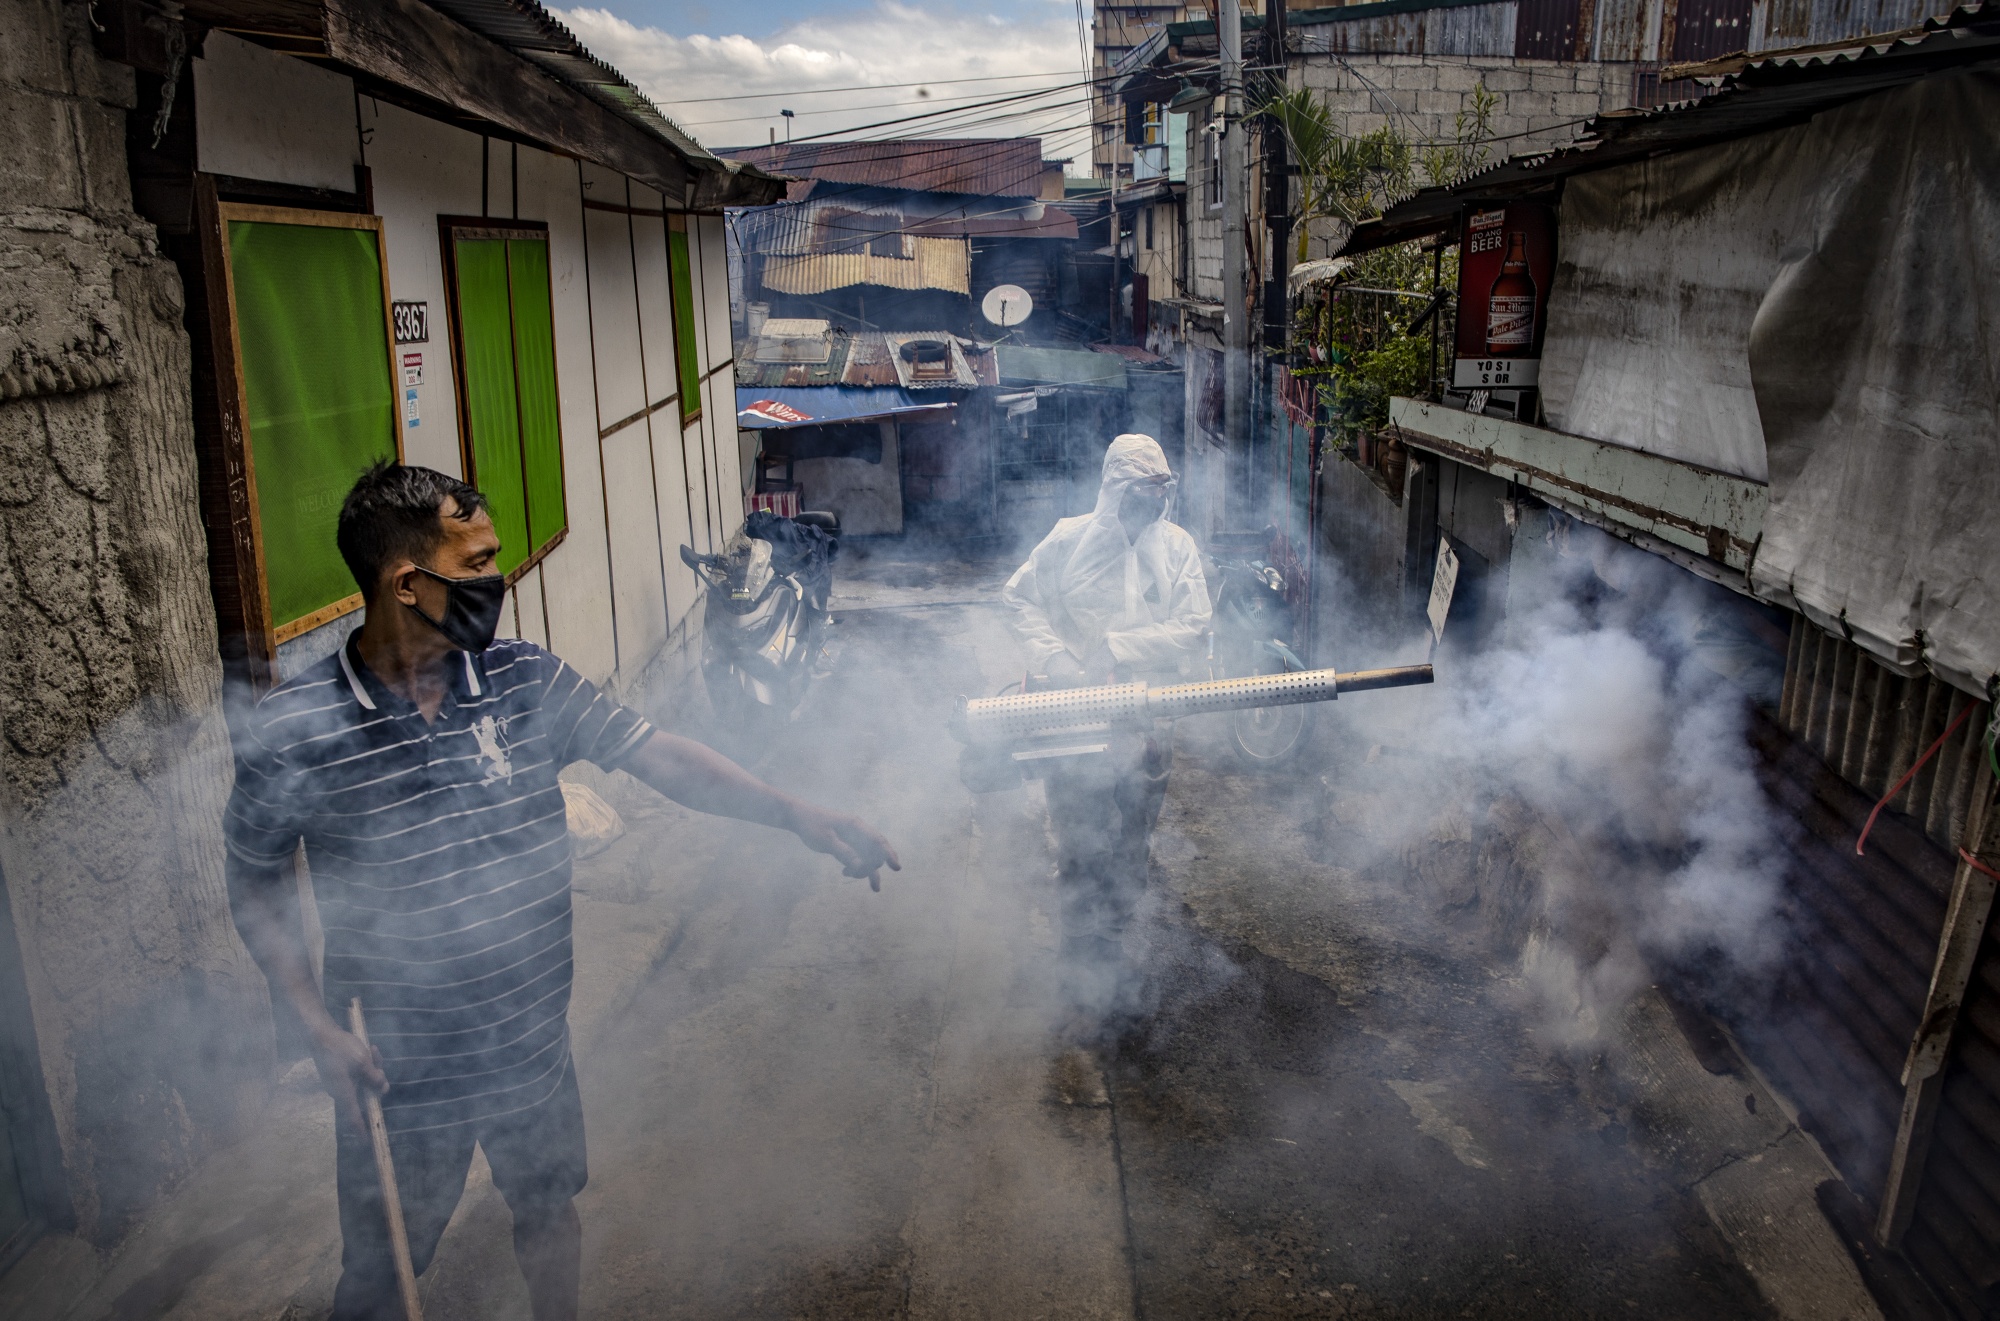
column 538, row 1164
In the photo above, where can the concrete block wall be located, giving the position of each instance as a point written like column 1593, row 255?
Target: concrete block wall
column 1540, row 103
column 135, row 1030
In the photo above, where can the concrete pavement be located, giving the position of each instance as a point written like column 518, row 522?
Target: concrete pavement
column 809, row 1100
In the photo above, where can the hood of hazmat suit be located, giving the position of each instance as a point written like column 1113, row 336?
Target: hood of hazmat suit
column 1088, row 583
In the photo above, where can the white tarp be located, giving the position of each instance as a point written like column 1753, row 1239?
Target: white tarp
column 1817, row 307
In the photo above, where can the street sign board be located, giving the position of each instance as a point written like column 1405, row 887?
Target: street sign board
column 1443, row 582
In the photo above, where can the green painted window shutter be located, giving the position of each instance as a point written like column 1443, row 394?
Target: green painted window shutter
column 507, row 366
column 686, row 360
column 319, row 396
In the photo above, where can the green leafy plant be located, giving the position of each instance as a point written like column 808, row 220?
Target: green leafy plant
column 1361, row 342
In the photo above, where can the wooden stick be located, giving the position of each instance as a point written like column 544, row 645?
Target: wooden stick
column 385, row 1170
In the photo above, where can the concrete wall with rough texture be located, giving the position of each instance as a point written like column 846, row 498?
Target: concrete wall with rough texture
column 152, row 1024
column 1539, row 103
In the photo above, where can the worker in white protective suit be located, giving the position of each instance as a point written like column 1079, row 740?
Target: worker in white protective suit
column 1115, row 595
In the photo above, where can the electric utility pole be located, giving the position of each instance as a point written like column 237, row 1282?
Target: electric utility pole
column 1277, row 191
column 1235, row 248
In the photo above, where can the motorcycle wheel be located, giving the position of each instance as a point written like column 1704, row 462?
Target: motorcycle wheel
column 1270, row 735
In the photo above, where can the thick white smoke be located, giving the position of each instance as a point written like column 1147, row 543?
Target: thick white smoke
column 1582, row 779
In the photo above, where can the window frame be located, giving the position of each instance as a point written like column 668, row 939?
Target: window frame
column 450, row 229
column 250, row 529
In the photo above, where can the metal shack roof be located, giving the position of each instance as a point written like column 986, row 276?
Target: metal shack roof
column 1021, row 364
column 987, row 167
column 1763, row 92
column 533, row 33
column 482, row 64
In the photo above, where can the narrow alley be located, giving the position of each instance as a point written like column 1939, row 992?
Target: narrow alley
column 807, row 1100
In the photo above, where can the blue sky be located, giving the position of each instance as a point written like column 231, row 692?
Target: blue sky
column 723, row 71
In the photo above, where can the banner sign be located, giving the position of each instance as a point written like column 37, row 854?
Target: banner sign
column 771, row 410
column 1507, row 259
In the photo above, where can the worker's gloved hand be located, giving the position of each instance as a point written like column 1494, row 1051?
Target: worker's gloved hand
column 1064, row 671
column 1100, row 666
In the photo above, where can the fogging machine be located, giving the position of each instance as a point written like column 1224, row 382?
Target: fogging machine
column 1022, row 733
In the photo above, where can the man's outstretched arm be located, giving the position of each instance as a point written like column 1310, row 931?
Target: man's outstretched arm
column 269, row 924
column 699, row 777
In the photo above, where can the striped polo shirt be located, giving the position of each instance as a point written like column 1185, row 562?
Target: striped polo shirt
column 440, row 862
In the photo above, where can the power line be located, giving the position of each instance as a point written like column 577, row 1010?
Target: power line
column 966, row 117
column 869, row 87
column 996, row 101
column 876, row 105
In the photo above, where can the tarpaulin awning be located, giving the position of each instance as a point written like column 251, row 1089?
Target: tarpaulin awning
column 763, row 407
column 1813, row 308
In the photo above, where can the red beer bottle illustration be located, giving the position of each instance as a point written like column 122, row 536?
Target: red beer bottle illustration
column 1510, row 307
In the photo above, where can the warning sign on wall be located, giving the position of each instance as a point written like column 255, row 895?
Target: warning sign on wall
column 1507, row 260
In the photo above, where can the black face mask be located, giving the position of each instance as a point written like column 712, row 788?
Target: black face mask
column 471, row 609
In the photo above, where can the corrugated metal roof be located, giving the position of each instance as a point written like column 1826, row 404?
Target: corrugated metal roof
column 987, row 167
column 530, row 31
column 871, row 358
column 836, row 224
column 1772, row 90
column 920, row 263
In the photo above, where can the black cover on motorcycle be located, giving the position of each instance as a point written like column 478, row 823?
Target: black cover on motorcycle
column 796, row 548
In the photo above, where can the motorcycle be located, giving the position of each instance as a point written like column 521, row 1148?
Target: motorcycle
column 765, row 620
column 1249, row 635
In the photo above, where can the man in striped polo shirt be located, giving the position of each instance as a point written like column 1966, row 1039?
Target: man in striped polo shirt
column 419, row 765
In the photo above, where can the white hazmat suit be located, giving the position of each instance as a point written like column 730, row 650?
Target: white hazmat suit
column 1144, row 599
column 1088, row 583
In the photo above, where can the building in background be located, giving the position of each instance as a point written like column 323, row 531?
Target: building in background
column 917, row 324
column 290, row 242
column 1827, row 477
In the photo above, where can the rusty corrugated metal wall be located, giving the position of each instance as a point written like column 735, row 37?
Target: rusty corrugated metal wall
column 1474, row 30
column 1869, row 723
column 1955, row 1238
column 1864, row 938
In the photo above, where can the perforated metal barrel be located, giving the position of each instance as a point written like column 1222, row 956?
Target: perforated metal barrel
column 1076, row 711
column 1059, row 711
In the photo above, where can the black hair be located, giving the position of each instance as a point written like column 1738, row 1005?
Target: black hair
column 393, row 512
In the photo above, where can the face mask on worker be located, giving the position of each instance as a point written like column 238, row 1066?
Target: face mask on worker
column 1144, row 503
column 471, row 609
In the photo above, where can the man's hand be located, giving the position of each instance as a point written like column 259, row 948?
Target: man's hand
column 345, row 1067
column 852, row 842
column 1100, row 666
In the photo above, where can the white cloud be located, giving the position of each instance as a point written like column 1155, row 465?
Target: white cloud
column 874, row 50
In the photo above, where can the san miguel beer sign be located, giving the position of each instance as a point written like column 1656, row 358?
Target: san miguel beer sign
column 1505, row 265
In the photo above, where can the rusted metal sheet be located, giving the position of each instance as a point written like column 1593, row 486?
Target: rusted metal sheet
column 1704, row 29
column 1839, row 20
column 986, row 167
column 1707, row 513
column 931, row 264
column 1923, row 1144
column 1871, row 723
column 1546, row 29
column 1847, row 992
column 868, row 358
column 1624, row 30
column 1478, row 29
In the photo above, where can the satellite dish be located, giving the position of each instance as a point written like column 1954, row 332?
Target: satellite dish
column 1006, row 305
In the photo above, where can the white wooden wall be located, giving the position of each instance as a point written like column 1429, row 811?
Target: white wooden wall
column 638, row 485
